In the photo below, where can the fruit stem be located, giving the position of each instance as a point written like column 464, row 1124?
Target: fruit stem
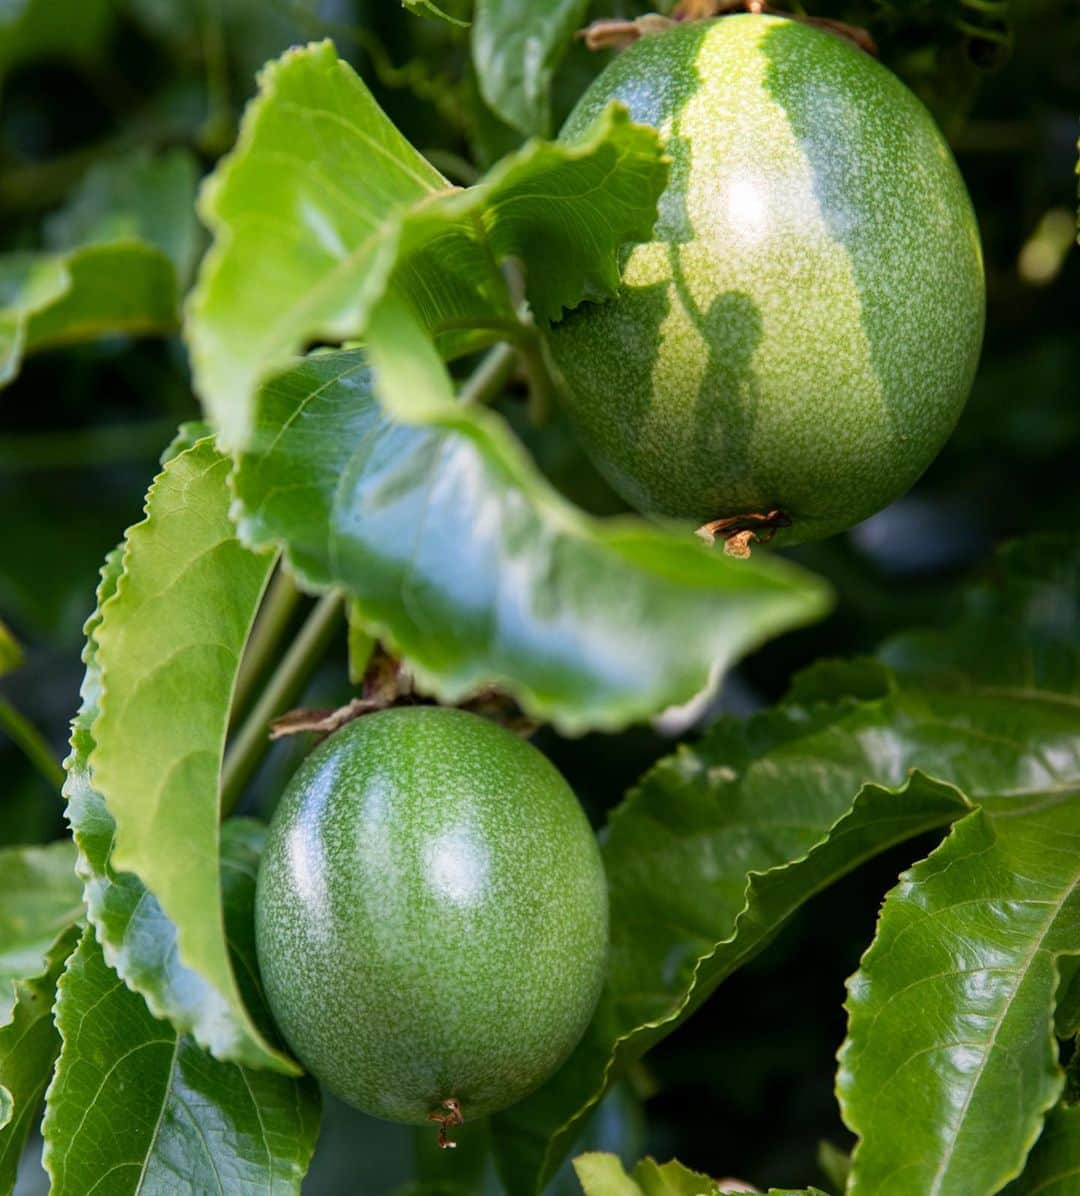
column 451, row 1116
column 285, row 685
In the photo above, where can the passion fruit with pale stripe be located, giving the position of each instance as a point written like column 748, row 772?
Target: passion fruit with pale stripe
column 797, row 341
column 431, row 916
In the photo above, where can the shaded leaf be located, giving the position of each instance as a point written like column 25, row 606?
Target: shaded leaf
column 142, row 1108
column 140, row 197
column 40, row 29
column 163, row 661
column 510, row 584
column 366, row 214
column 40, row 896
column 28, row 1047
column 516, row 46
column 1054, row 1165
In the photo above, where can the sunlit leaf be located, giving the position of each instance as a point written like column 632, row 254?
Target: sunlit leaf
column 165, row 656
column 365, row 214
column 10, row 650
column 604, row 1175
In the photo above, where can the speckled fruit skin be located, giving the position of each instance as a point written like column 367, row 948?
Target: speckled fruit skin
column 804, row 329
column 431, row 915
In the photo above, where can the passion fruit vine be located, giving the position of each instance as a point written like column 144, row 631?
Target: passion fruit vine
column 796, row 343
column 431, row 916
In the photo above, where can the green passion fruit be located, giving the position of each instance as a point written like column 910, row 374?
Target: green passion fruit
column 431, row 915
column 798, row 340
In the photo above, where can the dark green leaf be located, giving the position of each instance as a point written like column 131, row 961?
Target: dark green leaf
column 40, row 896
column 43, row 29
column 28, row 1047
column 161, row 661
column 189, row 1122
column 511, row 584
column 516, row 46
column 1054, row 1165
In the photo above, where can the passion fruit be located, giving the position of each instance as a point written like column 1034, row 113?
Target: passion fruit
column 431, row 915
column 796, row 343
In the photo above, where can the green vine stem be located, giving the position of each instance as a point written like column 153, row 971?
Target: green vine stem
column 282, row 690
column 26, row 736
column 278, row 608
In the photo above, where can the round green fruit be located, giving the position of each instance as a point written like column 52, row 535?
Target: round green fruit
column 802, row 332
column 431, row 915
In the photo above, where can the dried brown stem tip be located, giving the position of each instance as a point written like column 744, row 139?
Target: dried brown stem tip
column 739, row 532
column 617, row 35
column 448, row 1115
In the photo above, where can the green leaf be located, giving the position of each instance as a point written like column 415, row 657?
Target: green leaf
column 161, row 669
column 10, row 650
column 516, row 47
column 1054, row 1164
column 119, row 254
column 512, row 585
column 43, row 29
column 40, row 896
column 140, row 197
column 28, row 1048
column 762, row 814
column 428, row 8
column 364, row 215
column 186, row 1118
column 754, row 820
column 604, row 1175
column 299, row 212
column 951, row 1014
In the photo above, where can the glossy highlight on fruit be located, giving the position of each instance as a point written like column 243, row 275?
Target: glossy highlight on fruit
column 803, row 330
column 431, row 915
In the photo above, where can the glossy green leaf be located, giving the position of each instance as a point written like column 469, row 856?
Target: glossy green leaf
column 40, row 896
column 512, row 585
column 117, row 256
column 165, row 657
column 10, row 650
column 951, row 1014
column 323, row 208
column 137, row 1107
column 516, row 47
column 28, row 1048
column 604, row 1175
column 1053, row 1168
column 950, row 1062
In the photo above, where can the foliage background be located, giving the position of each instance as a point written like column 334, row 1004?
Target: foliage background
column 81, row 429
